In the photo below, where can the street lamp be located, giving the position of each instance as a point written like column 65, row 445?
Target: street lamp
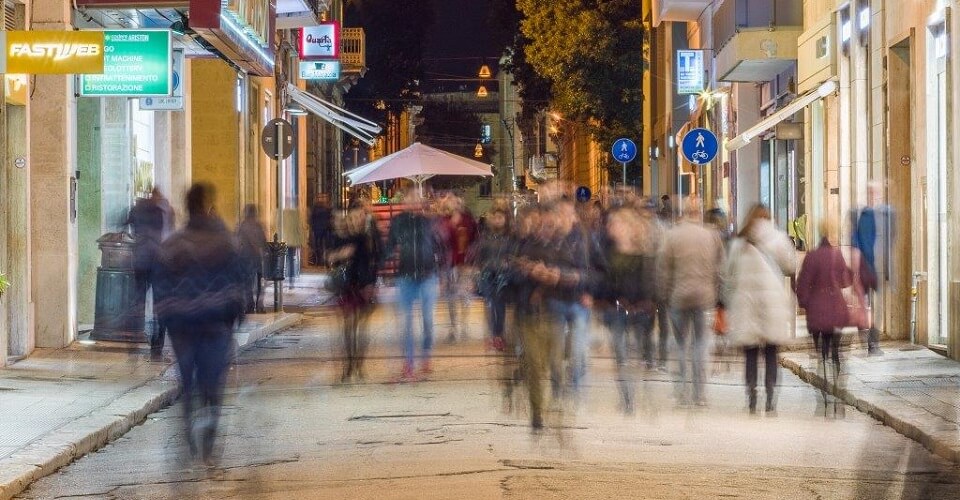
column 478, row 151
column 482, row 91
column 485, row 72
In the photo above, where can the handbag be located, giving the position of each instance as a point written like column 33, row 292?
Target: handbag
column 720, row 321
column 337, row 280
column 855, row 296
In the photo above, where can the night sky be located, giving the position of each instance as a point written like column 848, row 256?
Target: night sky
column 458, row 43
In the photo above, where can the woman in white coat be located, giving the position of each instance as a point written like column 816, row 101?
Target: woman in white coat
column 758, row 304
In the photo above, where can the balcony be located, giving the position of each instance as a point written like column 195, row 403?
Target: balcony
column 678, row 10
column 292, row 14
column 353, row 50
column 756, row 40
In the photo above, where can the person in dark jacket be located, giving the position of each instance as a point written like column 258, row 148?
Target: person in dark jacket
column 823, row 276
column 493, row 275
column 627, row 292
column 150, row 219
column 354, row 252
column 199, row 283
column 415, row 238
column 253, row 244
column 874, row 234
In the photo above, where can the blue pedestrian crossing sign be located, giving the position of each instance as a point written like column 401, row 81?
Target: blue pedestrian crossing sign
column 624, row 150
column 700, row 146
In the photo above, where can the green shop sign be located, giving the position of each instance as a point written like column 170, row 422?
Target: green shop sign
column 136, row 63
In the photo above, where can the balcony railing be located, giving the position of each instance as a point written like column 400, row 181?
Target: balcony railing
column 353, row 49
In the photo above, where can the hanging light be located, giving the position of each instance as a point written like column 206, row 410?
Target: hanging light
column 478, row 151
column 482, row 91
column 485, row 72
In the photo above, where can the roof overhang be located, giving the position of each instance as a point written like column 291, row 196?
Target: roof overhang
column 678, row 10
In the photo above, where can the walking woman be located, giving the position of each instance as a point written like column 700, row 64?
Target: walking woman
column 353, row 259
column 759, row 305
column 820, row 286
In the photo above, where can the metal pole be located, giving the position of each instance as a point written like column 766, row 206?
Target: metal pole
column 277, row 284
column 624, row 174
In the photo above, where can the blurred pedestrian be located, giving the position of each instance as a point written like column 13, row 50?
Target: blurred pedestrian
column 459, row 231
column 150, row 219
column 759, row 306
column 490, row 257
column 253, row 246
column 354, row 258
column 689, row 274
column 415, row 239
column 200, row 290
column 666, row 209
column 320, row 225
column 627, row 293
column 874, row 233
column 820, row 291
column 566, row 279
column 293, row 237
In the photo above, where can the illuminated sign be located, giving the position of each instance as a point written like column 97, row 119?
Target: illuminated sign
column 175, row 101
column 690, row 72
column 52, row 52
column 15, row 87
column 241, row 30
column 323, row 41
column 137, row 63
column 320, row 70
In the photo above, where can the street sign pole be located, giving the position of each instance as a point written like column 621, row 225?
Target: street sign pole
column 278, row 285
column 624, row 164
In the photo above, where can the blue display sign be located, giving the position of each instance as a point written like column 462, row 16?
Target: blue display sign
column 690, row 77
column 624, row 150
column 699, row 146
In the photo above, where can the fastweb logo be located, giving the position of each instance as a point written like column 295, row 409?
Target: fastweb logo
column 54, row 51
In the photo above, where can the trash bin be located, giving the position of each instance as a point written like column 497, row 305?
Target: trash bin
column 274, row 260
column 119, row 309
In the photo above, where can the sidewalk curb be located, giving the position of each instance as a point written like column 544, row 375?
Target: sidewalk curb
column 103, row 425
column 872, row 406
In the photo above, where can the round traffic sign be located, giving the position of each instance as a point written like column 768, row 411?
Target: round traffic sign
column 277, row 138
column 583, row 194
column 700, row 146
column 624, row 150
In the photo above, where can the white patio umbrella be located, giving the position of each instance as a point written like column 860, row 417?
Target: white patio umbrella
column 417, row 163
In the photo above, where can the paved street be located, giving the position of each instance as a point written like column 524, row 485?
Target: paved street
column 289, row 432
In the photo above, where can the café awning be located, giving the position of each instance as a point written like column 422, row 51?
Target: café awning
column 355, row 125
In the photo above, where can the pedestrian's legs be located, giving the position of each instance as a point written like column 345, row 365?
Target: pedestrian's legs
column 429, row 289
column 643, row 329
column 259, row 298
column 186, row 354
column 771, row 367
column 617, row 322
column 448, row 283
column 681, row 324
column 213, row 354
column 537, row 347
column 349, row 340
column 579, row 343
column 751, row 354
column 407, row 291
column 663, row 325
column 699, row 353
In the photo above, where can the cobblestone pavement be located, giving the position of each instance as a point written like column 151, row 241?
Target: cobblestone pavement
column 289, row 431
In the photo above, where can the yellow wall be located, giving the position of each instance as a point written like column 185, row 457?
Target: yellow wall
column 215, row 133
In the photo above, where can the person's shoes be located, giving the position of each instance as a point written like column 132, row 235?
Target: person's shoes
column 156, row 356
column 406, row 375
column 874, row 351
column 536, row 423
column 771, row 406
column 752, row 401
column 425, row 368
column 498, row 344
column 452, row 338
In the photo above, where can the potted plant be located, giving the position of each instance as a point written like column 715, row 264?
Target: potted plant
column 4, row 283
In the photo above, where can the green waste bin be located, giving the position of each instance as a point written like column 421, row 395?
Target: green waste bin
column 119, row 309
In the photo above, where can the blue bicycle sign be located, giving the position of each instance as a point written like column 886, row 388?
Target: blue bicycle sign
column 700, row 146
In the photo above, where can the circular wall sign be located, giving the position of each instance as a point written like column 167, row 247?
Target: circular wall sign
column 20, row 162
